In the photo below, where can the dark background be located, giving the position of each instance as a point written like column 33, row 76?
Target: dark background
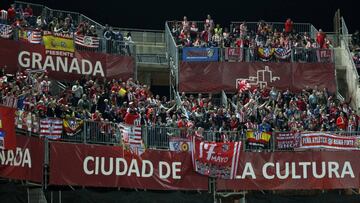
column 151, row 14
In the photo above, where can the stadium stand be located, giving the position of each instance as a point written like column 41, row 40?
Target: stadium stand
column 101, row 116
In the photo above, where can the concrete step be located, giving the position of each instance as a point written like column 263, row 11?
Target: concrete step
column 341, row 82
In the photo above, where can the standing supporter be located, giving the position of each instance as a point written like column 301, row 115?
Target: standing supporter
column 109, row 36
column 320, row 38
column 77, row 91
column 11, row 13
column 289, row 26
column 341, row 122
column 185, row 24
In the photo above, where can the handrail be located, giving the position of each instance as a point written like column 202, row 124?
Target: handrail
column 345, row 34
column 169, row 31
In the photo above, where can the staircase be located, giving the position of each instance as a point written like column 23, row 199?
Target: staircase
column 36, row 195
column 347, row 76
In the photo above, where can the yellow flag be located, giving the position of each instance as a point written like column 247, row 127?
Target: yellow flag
column 52, row 42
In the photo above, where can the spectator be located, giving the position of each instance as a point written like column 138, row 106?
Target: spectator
column 77, row 91
column 355, row 38
column 289, row 26
column 128, row 42
column 109, row 36
column 11, row 14
column 320, row 38
column 341, row 122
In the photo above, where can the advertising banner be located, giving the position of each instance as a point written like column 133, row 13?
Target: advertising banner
column 192, row 54
column 113, row 166
column 217, row 76
column 295, row 171
column 61, row 65
column 7, row 128
column 25, row 162
column 215, row 159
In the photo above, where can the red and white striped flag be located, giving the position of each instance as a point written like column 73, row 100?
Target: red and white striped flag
column 51, row 128
column 131, row 136
column 6, row 31
column 87, row 41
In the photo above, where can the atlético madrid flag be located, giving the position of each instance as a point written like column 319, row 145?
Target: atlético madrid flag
column 216, row 159
column 7, row 128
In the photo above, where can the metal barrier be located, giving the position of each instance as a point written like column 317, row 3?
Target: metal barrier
column 279, row 26
column 308, row 55
column 151, row 59
column 158, row 136
column 144, row 37
column 352, row 75
column 172, row 54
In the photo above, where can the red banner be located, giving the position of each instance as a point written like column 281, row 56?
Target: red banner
column 217, row 76
column 295, row 171
column 25, row 162
column 216, row 159
column 7, row 128
column 112, row 166
column 316, row 140
column 327, row 141
column 18, row 55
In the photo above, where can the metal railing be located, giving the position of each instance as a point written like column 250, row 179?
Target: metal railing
column 151, row 59
column 352, row 75
column 305, row 55
column 144, row 36
column 278, row 26
column 172, row 54
column 159, row 137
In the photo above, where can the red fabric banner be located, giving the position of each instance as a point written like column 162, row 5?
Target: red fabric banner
column 217, row 76
column 216, row 159
column 295, row 171
column 112, row 166
column 25, row 162
column 7, row 128
column 18, row 55
column 316, row 140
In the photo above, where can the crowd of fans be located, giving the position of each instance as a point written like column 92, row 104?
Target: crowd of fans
column 24, row 19
column 117, row 101
column 190, row 34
